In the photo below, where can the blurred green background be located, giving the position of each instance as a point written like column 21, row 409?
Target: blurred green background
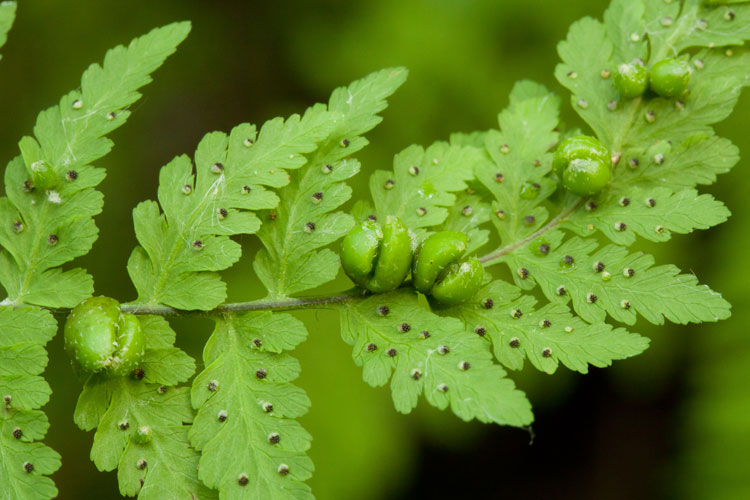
column 673, row 423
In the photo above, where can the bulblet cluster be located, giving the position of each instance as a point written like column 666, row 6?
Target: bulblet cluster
column 101, row 338
column 441, row 270
column 379, row 258
column 584, row 164
column 667, row 78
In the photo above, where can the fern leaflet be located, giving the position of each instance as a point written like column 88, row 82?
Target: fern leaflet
column 245, row 429
column 291, row 263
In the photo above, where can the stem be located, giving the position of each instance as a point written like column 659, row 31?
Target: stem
column 320, row 302
column 635, row 107
column 258, row 305
column 490, row 258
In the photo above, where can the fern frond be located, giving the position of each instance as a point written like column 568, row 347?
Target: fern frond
column 183, row 248
column 607, row 280
column 397, row 339
column 420, row 188
column 467, row 215
column 25, row 462
column 653, row 213
column 118, row 408
column 291, row 261
column 245, row 429
column 46, row 228
column 546, row 336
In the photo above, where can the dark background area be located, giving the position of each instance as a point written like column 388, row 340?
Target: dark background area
column 673, row 423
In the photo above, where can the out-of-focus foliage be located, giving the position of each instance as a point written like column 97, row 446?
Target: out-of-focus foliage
column 715, row 439
column 249, row 61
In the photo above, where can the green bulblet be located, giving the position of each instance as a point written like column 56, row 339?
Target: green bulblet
column 670, row 77
column 584, row 164
column 91, row 331
column 377, row 257
column 460, row 282
column 579, row 147
column 100, row 338
column 436, row 253
column 131, row 345
column 631, row 79
column 143, row 435
column 42, row 175
column 439, row 269
column 395, row 257
column 586, row 177
column 359, row 250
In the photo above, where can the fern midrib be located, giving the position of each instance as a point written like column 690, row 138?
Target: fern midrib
column 632, row 292
column 493, row 257
column 619, row 141
column 686, row 15
column 280, row 292
column 515, row 202
column 231, row 351
column 177, row 239
column 237, row 368
column 29, row 272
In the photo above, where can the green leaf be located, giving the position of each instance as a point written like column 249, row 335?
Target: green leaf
column 653, row 213
column 516, row 178
column 291, row 262
column 163, row 363
column 420, row 352
column 623, row 21
column 23, row 334
column 591, row 53
column 466, row 215
column 585, row 53
column 696, row 160
column 699, row 26
column 245, row 428
column 419, row 189
column 547, row 336
column 714, row 91
column 21, row 358
column 592, row 47
column 653, row 292
column 661, row 149
column 474, row 139
column 47, row 228
column 119, row 407
column 26, row 325
column 7, row 16
column 183, row 248
column 18, row 454
column 28, row 264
